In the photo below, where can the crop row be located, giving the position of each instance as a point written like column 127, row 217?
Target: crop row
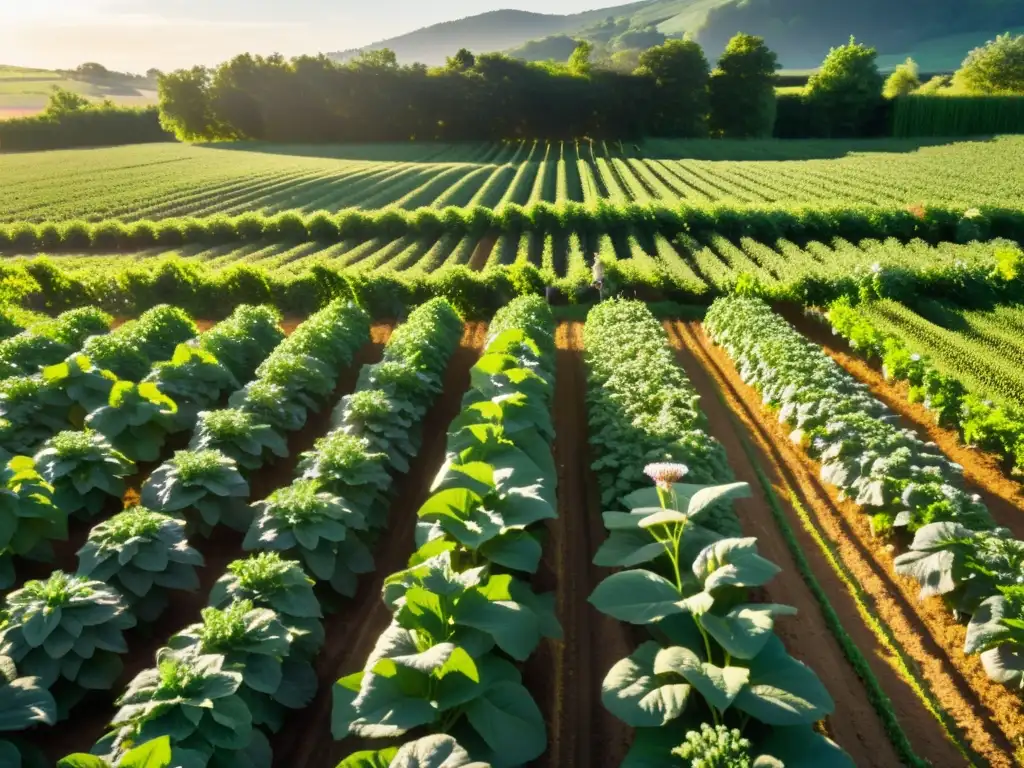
column 953, row 385
column 463, row 612
column 172, row 180
column 714, row 680
column 905, row 484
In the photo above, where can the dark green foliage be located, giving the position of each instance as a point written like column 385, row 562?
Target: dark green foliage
column 742, row 90
column 91, row 127
column 680, row 73
column 847, row 89
column 996, row 67
column 958, row 115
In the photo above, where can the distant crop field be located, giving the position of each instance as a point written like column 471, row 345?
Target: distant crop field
column 170, row 180
column 25, row 92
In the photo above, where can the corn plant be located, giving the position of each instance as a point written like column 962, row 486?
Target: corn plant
column 85, row 470
column 136, row 420
column 194, row 700
column 239, row 435
column 67, row 631
column 24, row 702
column 268, row 581
column 29, row 519
column 319, row 529
column 256, row 643
column 207, row 481
column 145, row 555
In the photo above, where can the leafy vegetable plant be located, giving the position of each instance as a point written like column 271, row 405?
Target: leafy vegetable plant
column 207, row 481
column 32, row 409
column 346, row 467
column 153, row 754
column 136, row 420
column 145, row 555
column 239, row 435
column 85, row 470
column 83, row 383
column 29, row 519
column 67, row 631
column 24, row 702
column 435, row 751
column 241, row 342
column 194, row 379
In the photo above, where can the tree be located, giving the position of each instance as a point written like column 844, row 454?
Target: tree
column 463, row 61
column 185, row 107
column 996, row 67
column 93, row 71
column 742, row 89
column 579, row 62
column 385, row 58
column 904, row 79
column 847, row 90
column 679, row 73
column 62, row 101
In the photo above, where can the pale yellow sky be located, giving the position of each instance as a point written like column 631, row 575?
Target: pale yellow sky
column 135, row 35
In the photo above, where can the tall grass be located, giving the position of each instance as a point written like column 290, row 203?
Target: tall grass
column 957, row 115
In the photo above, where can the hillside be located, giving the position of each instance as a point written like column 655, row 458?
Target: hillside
column 26, row 91
column 801, row 31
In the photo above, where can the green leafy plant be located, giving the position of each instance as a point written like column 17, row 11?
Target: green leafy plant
column 435, row 751
column 32, row 409
column 996, row 631
column 119, row 354
column 152, row 754
column 346, row 467
column 85, row 470
column 385, row 422
column 83, row 383
column 268, row 581
column 244, row 340
column 67, row 631
column 194, row 700
column 207, row 481
column 239, row 435
column 29, row 519
column 305, row 379
column 136, row 420
column 256, row 643
column 194, row 379
column 270, row 404
column 24, row 702
column 318, row 528
column 145, row 555
column 26, row 353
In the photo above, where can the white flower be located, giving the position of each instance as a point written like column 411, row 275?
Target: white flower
column 876, row 267
column 915, row 357
column 665, row 473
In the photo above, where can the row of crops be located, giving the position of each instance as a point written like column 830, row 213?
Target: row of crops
column 956, row 549
column 160, row 181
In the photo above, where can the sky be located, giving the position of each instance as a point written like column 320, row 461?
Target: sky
column 135, row 35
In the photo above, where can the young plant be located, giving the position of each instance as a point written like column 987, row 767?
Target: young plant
column 26, row 353
column 84, row 470
column 136, row 420
column 346, row 466
column 86, row 385
column 118, row 354
column 30, row 518
column 194, row 700
column 270, row 404
column 268, row 581
column 195, row 380
column 244, row 340
column 721, row 657
column 207, row 481
column 24, row 702
column 67, row 631
column 389, row 425
column 996, row 632
column 305, row 380
column 434, row 665
column 31, row 410
column 239, row 435
column 145, row 555
column 157, row 753
column 254, row 642
column 434, row 751
column 159, row 330
column 316, row 527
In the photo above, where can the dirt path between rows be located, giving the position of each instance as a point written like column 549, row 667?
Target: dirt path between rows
column 855, row 725
column 1003, row 496
column 984, row 716
column 88, row 724
column 565, row 676
column 305, row 740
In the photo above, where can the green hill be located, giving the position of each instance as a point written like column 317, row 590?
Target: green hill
column 801, row 31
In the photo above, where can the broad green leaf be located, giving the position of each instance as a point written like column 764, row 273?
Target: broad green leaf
column 718, row 685
column 733, row 563
column 435, row 751
column 152, row 754
column 782, row 691
column 382, row 758
column 745, row 629
column 628, row 549
column 508, row 720
column 663, row 517
column 636, row 695
column 801, row 747
column 637, row 597
column 514, row 627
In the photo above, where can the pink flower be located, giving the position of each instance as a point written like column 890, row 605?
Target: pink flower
column 665, row 473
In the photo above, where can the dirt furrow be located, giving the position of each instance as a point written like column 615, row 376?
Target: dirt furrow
column 983, row 716
column 565, row 676
column 1003, row 496
column 87, row 725
column 305, row 740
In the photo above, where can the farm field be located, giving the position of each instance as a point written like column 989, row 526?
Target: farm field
column 273, row 435
column 25, row 91
column 172, row 180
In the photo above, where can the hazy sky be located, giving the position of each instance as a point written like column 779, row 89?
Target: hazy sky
column 137, row 34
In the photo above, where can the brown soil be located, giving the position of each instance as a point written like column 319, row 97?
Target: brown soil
column 86, row 726
column 984, row 475
column 855, row 724
column 305, row 741
column 565, row 676
column 482, row 252
column 985, row 716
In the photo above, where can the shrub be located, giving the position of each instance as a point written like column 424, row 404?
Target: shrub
column 67, row 631
column 254, row 642
column 269, row 581
column 996, row 67
column 144, row 554
column 85, row 470
column 207, row 481
column 903, row 81
column 847, row 89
